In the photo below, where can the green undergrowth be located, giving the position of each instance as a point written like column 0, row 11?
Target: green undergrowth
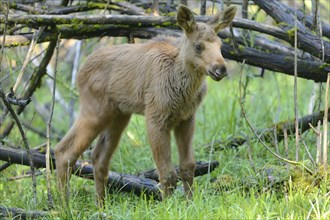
column 249, row 182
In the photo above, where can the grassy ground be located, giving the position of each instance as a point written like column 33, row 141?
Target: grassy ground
column 246, row 185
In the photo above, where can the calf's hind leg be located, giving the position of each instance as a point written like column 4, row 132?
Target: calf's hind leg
column 74, row 143
column 103, row 152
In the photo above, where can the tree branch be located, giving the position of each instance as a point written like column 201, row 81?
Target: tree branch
column 307, row 40
column 262, row 57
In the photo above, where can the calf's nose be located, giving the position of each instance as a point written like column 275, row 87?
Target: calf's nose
column 222, row 71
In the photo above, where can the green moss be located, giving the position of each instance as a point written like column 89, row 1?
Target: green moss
column 227, row 40
column 171, row 14
column 167, row 23
column 149, row 11
column 291, row 33
column 324, row 66
column 287, row 58
column 241, row 47
column 282, row 24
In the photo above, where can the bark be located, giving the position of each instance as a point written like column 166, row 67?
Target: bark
column 116, row 181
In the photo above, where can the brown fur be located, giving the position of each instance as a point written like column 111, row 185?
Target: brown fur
column 162, row 79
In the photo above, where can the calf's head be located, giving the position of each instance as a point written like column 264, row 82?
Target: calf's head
column 202, row 45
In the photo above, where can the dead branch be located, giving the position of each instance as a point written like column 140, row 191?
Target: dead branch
column 308, row 41
column 49, row 121
column 10, row 97
column 122, row 182
column 325, row 129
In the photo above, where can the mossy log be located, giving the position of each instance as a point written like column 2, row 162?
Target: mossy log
column 17, row 213
column 269, row 133
column 116, row 181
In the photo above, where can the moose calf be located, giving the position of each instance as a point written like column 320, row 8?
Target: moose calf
column 164, row 79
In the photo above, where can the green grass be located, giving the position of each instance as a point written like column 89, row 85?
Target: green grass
column 246, row 195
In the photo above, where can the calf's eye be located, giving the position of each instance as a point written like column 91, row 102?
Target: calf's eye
column 198, row 48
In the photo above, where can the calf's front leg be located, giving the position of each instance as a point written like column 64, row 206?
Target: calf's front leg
column 160, row 142
column 184, row 133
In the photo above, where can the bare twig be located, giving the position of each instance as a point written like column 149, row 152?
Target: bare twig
column 4, row 36
column 286, row 146
column 203, row 7
column 318, row 142
column 245, row 4
column 155, row 7
column 308, row 152
column 295, row 90
column 297, row 163
column 73, row 79
column 10, row 97
column 325, row 127
column 24, row 176
column 34, row 41
column 184, row 2
column 26, row 144
column 34, row 83
column 48, row 165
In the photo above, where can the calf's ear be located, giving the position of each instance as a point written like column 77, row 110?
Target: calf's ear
column 223, row 19
column 186, row 19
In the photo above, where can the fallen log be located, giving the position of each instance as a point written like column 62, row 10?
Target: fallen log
column 303, row 125
column 116, row 181
column 275, row 131
column 201, row 169
column 17, row 213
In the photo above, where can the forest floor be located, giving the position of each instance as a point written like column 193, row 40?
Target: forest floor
column 249, row 183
